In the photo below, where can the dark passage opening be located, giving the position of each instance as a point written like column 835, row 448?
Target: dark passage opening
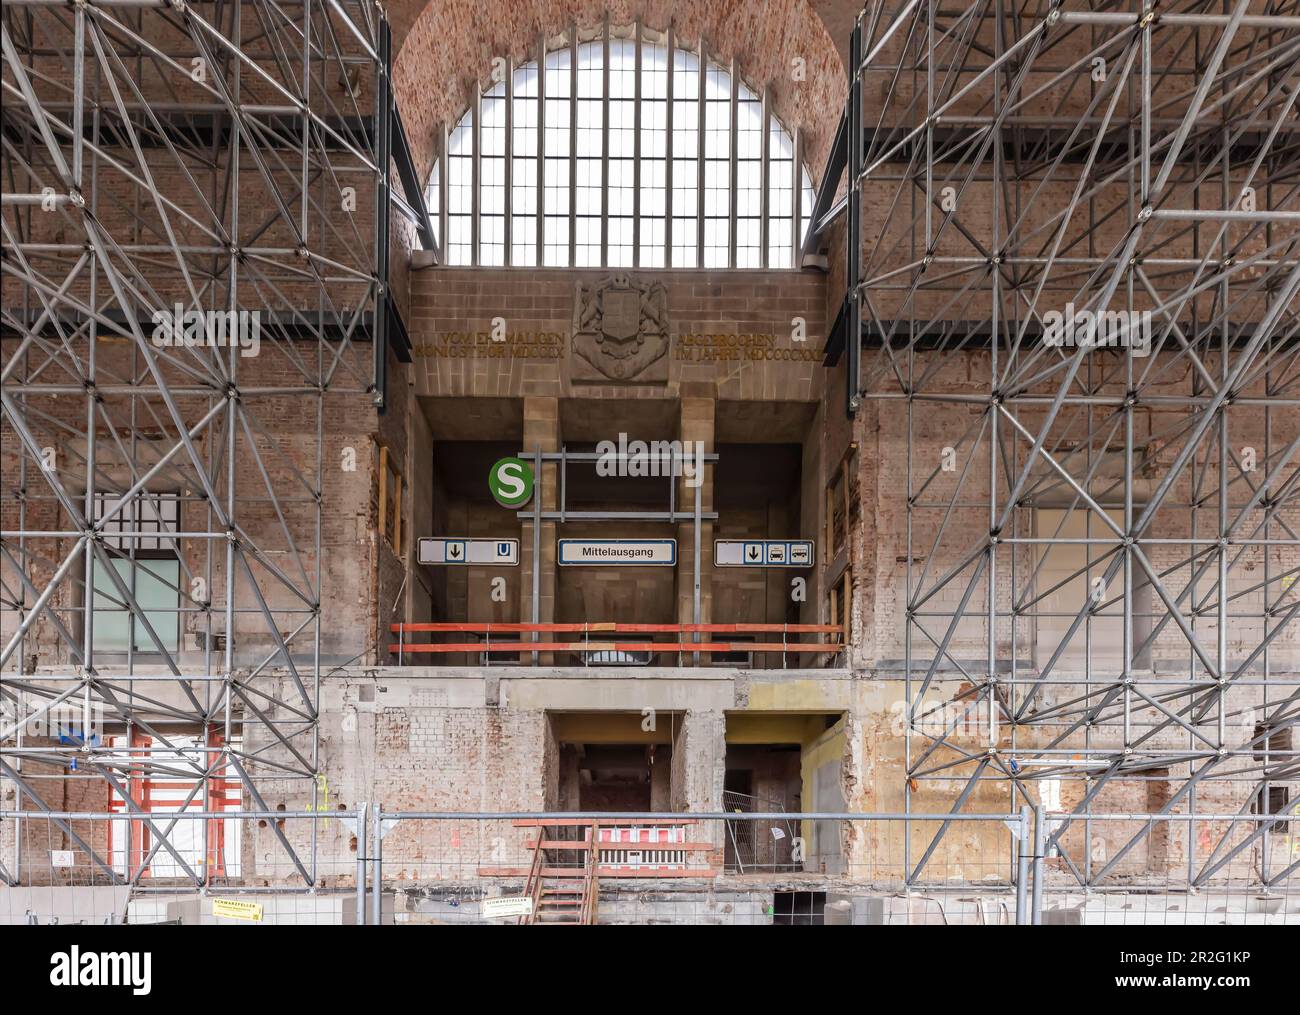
column 803, row 909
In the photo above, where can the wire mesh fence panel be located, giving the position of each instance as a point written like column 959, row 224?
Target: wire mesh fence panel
column 1194, row 869
column 757, row 845
column 614, row 868
column 273, row 867
column 190, row 867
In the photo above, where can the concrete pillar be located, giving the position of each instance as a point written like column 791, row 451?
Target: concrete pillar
column 541, row 432
column 697, row 424
column 700, row 768
column 700, row 762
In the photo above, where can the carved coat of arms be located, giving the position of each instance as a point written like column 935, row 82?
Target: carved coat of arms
column 620, row 330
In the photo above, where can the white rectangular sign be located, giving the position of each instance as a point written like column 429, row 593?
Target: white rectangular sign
column 507, row 905
column 764, row 552
column 62, row 858
column 453, row 550
column 587, row 552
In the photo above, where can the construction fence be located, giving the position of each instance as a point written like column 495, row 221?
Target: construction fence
column 370, row 866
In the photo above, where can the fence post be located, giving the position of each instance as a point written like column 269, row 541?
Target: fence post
column 362, row 818
column 1022, row 869
column 1040, row 847
column 377, row 878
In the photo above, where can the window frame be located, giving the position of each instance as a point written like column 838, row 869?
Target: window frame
column 618, row 251
column 136, row 552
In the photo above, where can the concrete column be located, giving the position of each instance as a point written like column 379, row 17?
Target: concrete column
column 700, row 768
column 700, row 762
column 697, row 424
column 541, row 432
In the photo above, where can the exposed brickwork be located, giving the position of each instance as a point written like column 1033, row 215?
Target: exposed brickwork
column 451, row 45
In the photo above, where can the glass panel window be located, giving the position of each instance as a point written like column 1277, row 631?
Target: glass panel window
column 556, row 144
column 622, row 150
column 749, row 179
column 143, row 562
column 808, row 200
column 717, row 168
column 492, row 178
column 654, row 154
column 780, row 197
column 525, row 128
column 433, row 201
column 591, row 181
column 460, row 192
column 590, row 162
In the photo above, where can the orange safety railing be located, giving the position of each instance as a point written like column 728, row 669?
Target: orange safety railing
column 404, row 647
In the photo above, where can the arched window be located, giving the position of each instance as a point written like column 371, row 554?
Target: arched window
column 616, row 151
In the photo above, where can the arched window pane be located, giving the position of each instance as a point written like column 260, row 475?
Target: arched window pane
column 635, row 156
column 460, row 192
column 433, row 201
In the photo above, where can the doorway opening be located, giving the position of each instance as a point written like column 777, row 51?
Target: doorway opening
column 618, row 762
column 774, row 766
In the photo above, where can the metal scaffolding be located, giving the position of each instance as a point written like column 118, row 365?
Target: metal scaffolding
column 1015, row 171
column 208, row 169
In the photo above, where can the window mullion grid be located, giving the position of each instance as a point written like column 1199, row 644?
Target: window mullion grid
column 541, row 152
column 796, row 197
column 636, row 146
column 573, row 147
column 508, row 151
column 476, row 182
column 444, row 194
column 668, row 154
column 764, row 206
column 701, row 159
column 735, row 176
column 604, row 151
column 798, row 214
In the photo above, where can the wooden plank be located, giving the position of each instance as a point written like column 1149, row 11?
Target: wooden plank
column 507, row 628
column 383, row 490
column 397, row 512
column 522, row 647
column 586, row 823
column 601, row 872
column 582, row 847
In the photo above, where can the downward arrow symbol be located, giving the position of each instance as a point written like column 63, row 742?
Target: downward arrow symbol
column 454, row 552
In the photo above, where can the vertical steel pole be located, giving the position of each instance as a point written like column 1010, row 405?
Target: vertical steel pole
column 1040, row 833
column 536, row 613
column 377, row 868
column 362, row 816
column 852, row 235
column 1022, row 868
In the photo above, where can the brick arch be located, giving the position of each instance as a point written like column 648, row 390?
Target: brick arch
column 450, row 44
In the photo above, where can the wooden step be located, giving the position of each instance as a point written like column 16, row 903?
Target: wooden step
column 602, row 872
